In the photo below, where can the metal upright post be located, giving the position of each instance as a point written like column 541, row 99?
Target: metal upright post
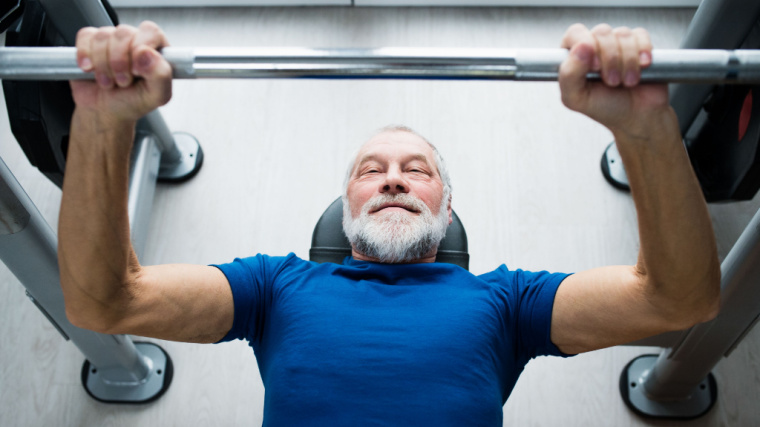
column 116, row 370
column 678, row 383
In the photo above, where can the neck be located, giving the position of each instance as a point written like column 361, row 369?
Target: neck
column 430, row 257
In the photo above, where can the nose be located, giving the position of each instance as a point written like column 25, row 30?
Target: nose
column 394, row 182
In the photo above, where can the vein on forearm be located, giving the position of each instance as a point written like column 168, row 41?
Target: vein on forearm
column 95, row 247
column 677, row 242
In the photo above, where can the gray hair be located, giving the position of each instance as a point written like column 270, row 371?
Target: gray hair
column 443, row 171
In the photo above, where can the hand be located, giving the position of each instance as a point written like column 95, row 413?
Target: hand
column 131, row 77
column 619, row 102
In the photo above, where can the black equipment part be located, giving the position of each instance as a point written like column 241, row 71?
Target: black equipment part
column 667, row 410
column 330, row 244
column 40, row 112
column 10, row 12
column 724, row 150
column 723, row 139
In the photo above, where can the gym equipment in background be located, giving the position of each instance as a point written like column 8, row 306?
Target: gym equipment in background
column 720, row 124
column 10, row 11
column 720, row 129
column 116, row 369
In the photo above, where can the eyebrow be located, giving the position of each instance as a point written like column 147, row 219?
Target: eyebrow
column 371, row 157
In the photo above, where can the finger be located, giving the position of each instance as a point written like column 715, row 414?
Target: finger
column 150, row 35
column 100, row 63
column 119, row 51
column 629, row 56
column 609, row 53
column 574, row 34
column 83, row 43
column 156, row 73
column 578, row 33
column 645, row 46
column 572, row 76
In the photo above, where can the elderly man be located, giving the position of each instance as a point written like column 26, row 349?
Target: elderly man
column 388, row 337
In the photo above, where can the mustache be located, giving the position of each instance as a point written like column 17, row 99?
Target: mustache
column 403, row 199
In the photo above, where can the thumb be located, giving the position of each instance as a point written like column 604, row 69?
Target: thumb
column 149, row 64
column 156, row 73
column 572, row 76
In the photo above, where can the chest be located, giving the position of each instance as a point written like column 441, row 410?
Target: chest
column 374, row 327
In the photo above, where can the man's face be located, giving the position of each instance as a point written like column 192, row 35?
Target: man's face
column 395, row 200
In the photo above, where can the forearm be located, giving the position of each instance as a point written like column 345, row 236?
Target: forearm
column 678, row 255
column 95, row 254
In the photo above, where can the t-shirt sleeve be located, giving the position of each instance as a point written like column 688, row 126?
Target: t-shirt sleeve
column 251, row 281
column 533, row 303
column 537, row 292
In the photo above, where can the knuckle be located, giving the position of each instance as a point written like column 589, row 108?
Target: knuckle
column 602, row 30
column 149, row 25
column 104, row 33
column 124, row 31
column 612, row 56
column 577, row 27
column 622, row 32
column 642, row 36
column 85, row 32
column 640, row 31
column 573, row 34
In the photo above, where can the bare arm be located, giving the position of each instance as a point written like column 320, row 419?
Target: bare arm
column 676, row 280
column 105, row 288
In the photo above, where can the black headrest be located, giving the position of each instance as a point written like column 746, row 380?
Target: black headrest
column 330, row 244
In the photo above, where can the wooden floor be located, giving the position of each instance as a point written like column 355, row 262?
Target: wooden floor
column 527, row 186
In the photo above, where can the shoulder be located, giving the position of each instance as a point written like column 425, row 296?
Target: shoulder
column 530, row 297
column 523, row 278
column 261, row 265
column 524, row 287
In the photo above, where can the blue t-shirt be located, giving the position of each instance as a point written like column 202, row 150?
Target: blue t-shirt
column 388, row 344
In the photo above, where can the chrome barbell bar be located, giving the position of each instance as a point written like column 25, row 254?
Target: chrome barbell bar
column 673, row 66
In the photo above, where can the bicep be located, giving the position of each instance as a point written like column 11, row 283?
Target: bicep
column 604, row 307
column 190, row 303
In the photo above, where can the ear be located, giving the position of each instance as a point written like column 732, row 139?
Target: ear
column 451, row 218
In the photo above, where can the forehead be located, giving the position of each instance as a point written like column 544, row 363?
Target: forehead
column 392, row 144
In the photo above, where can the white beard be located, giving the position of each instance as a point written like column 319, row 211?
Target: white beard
column 395, row 236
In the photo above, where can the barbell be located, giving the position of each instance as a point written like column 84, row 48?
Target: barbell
column 668, row 66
